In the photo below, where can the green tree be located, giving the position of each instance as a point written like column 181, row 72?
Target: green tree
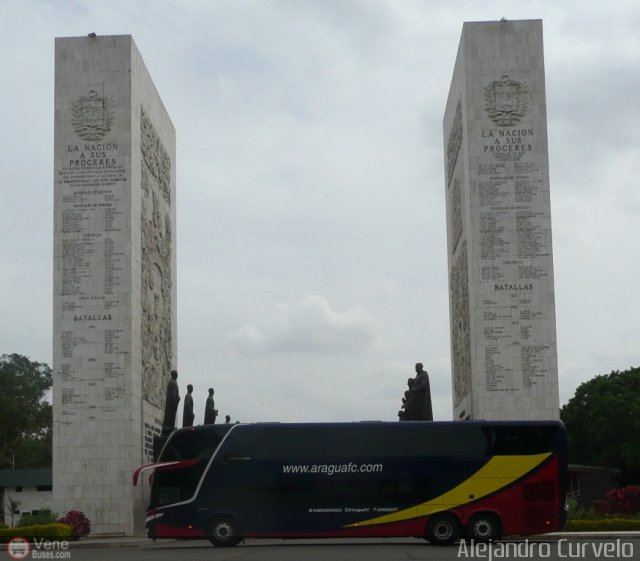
column 603, row 423
column 25, row 415
column 11, row 508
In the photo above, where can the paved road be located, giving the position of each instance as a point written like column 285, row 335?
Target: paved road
column 351, row 550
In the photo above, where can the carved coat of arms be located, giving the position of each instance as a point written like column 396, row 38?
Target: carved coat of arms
column 92, row 116
column 506, row 101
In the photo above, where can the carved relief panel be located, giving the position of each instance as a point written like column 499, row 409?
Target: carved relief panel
column 157, row 281
column 461, row 328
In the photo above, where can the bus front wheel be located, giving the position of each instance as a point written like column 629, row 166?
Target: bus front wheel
column 484, row 527
column 224, row 532
column 442, row 529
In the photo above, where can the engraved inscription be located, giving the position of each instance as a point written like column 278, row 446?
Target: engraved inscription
column 514, row 244
column 531, row 240
column 91, row 254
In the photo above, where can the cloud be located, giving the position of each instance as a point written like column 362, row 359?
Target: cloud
column 309, row 325
column 309, row 161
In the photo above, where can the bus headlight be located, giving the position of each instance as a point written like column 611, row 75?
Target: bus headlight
column 151, row 515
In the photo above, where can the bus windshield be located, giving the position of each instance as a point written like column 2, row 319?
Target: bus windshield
column 189, row 444
column 192, row 449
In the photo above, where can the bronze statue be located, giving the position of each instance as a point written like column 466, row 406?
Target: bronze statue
column 210, row 412
column 187, row 412
column 171, row 404
column 416, row 404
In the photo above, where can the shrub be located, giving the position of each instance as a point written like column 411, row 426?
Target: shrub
column 598, row 519
column 44, row 516
column 604, row 525
column 620, row 501
column 55, row 531
column 625, row 500
column 579, row 513
column 601, row 506
column 80, row 524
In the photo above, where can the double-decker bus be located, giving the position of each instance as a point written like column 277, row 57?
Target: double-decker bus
column 436, row 480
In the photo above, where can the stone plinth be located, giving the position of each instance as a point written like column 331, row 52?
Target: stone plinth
column 501, row 289
column 114, row 277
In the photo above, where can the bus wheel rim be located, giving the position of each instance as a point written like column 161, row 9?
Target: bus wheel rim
column 443, row 530
column 483, row 528
column 223, row 531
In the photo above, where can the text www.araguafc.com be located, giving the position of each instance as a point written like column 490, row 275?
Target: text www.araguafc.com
column 331, row 469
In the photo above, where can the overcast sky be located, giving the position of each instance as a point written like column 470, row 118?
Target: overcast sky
column 312, row 267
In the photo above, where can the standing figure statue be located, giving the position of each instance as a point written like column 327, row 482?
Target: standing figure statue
column 171, row 404
column 187, row 412
column 416, row 403
column 421, row 385
column 210, row 412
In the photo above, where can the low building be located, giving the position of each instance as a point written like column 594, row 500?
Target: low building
column 591, row 483
column 31, row 489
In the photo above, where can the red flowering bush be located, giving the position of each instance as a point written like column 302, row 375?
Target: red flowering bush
column 80, row 524
column 620, row 501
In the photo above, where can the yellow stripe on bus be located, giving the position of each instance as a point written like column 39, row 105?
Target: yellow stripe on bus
column 497, row 473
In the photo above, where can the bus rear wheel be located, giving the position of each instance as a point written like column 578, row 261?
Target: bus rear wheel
column 484, row 527
column 442, row 529
column 224, row 532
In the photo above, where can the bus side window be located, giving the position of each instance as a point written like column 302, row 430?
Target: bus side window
column 490, row 438
column 518, row 440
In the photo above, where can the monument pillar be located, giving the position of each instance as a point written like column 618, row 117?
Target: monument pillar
column 501, row 289
column 114, row 331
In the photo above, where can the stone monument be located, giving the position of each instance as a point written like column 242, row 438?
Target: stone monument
column 114, row 277
column 501, row 291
